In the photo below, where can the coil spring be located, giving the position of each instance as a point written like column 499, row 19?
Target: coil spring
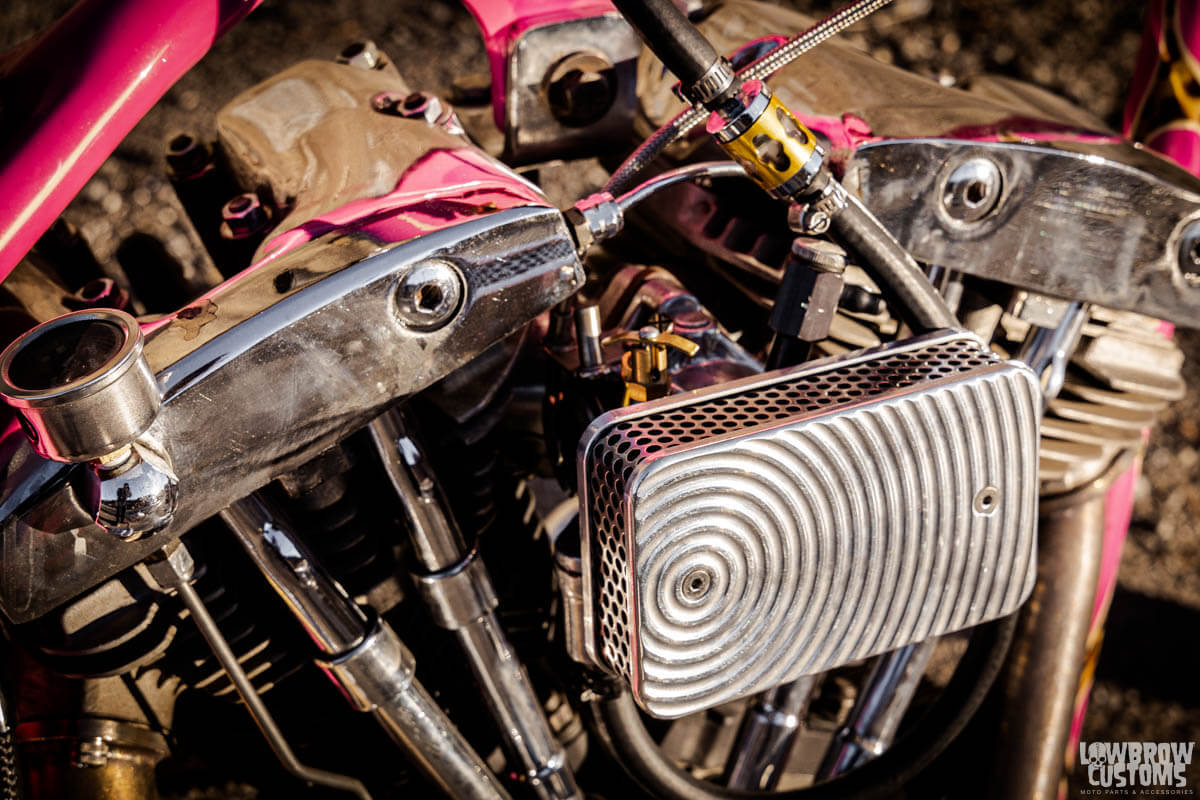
column 10, row 777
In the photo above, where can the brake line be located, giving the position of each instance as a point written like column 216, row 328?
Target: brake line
column 687, row 120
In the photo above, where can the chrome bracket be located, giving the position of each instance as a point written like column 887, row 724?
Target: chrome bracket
column 277, row 364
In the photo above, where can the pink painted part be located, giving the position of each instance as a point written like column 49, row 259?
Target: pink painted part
column 1179, row 143
column 1187, row 27
column 1147, row 65
column 846, row 133
column 81, row 88
column 440, row 189
column 502, row 23
column 1018, row 129
column 1118, row 511
column 849, row 132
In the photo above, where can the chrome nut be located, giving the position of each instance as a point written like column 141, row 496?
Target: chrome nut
column 80, row 384
column 419, row 106
column 363, row 55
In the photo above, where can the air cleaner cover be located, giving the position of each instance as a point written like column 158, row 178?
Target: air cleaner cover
column 740, row 536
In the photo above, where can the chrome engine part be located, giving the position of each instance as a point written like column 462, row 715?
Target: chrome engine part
column 741, row 536
column 389, row 272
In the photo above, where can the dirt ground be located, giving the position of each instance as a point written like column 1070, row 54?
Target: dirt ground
column 1084, row 50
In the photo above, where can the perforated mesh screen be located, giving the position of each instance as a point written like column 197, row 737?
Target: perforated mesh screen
column 615, row 451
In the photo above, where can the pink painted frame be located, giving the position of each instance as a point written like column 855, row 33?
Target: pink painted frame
column 124, row 55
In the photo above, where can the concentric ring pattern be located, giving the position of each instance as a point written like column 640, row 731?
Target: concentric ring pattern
column 811, row 518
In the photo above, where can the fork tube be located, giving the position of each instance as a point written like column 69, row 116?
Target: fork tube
column 1036, row 691
column 877, row 713
column 364, row 657
column 767, row 734
column 459, row 593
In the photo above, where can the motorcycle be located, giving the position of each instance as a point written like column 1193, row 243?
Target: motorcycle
column 796, row 461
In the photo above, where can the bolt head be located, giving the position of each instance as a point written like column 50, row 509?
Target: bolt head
column 580, row 89
column 187, row 156
column 972, row 190
column 244, row 216
column 695, row 585
column 429, row 295
column 363, row 55
column 416, row 105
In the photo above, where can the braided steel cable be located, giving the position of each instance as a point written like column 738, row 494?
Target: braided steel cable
column 768, row 65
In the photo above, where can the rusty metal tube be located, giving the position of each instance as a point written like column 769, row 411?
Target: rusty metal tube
column 1036, row 690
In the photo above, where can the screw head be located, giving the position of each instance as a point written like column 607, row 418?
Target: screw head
column 987, row 500
column 816, row 222
column 695, row 585
column 972, row 190
column 429, row 295
column 1189, row 255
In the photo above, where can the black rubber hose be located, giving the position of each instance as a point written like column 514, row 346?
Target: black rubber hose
column 674, row 39
column 618, row 726
column 905, row 286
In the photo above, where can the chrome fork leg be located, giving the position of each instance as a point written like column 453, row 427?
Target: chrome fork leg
column 364, row 657
column 880, row 706
column 458, row 591
column 768, row 732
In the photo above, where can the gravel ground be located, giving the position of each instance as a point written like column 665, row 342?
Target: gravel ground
column 1083, row 50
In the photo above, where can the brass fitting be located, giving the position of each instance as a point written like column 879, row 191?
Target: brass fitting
column 644, row 365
